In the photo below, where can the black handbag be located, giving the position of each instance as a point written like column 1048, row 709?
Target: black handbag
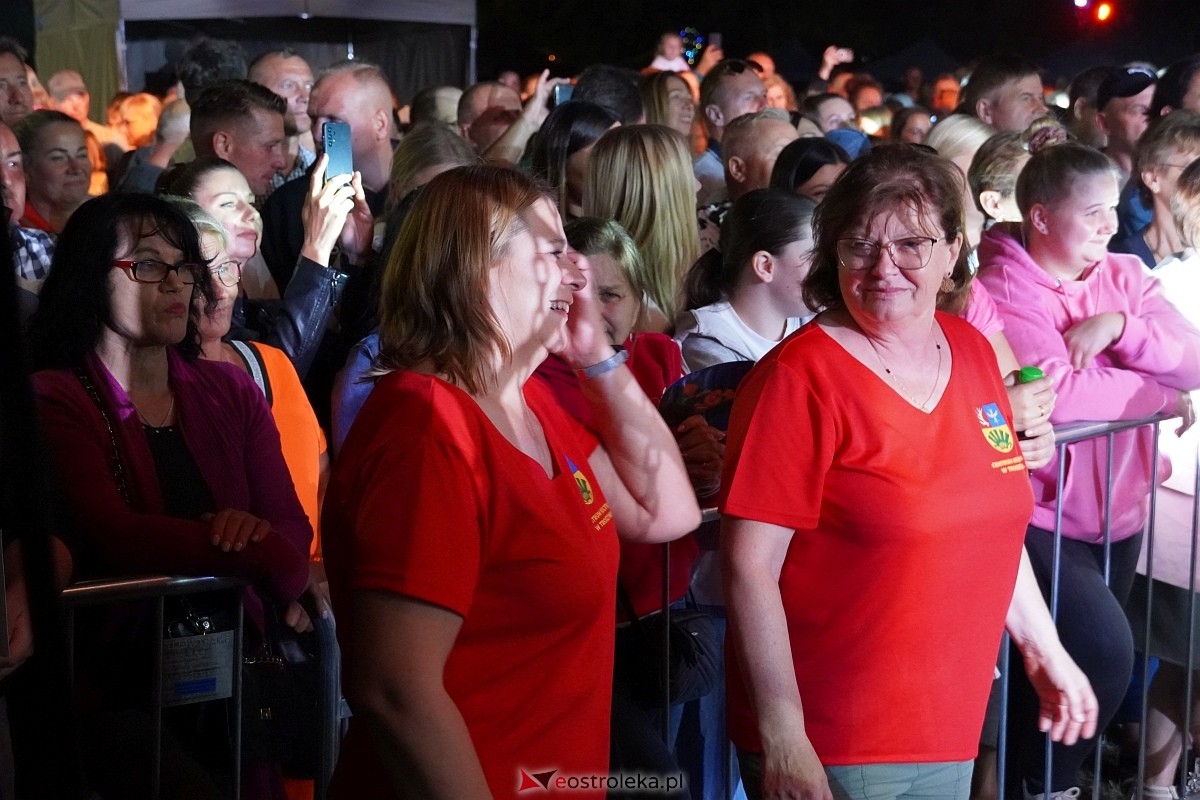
column 280, row 685
column 281, row 700
column 669, row 657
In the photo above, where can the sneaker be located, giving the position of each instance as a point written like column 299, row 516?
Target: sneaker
column 1065, row 794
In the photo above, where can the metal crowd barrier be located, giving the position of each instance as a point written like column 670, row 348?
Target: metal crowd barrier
column 1067, row 435
column 334, row 711
column 156, row 590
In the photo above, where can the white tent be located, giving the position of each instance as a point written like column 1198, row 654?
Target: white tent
column 117, row 44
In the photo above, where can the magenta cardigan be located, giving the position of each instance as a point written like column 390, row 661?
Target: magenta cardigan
column 228, row 429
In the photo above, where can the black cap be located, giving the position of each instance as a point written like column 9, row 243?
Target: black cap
column 1124, row 82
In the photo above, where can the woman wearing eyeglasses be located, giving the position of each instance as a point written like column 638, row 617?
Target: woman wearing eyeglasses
column 300, row 434
column 296, row 322
column 876, row 501
column 170, row 464
column 1099, row 326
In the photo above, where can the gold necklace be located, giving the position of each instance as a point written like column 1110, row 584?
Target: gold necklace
column 147, row 422
column 924, row 406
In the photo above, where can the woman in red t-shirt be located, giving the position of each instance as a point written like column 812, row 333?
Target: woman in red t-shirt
column 875, row 507
column 470, row 521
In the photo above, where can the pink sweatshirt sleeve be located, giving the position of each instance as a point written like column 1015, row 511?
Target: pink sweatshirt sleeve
column 1105, row 391
column 981, row 312
column 1158, row 340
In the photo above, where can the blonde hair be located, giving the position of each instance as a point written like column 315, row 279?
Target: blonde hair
column 143, row 105
column 641, row 176
column 1185, row 205
column 427, row 144
column 655, row 89
column 958, row 135
column 432, row 307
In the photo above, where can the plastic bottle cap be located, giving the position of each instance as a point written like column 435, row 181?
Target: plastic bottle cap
column 1029, row 374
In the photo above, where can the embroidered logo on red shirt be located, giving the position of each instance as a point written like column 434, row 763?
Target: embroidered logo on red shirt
column 995, row 427
column 585, row 487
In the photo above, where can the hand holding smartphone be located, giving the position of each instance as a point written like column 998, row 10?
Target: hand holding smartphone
column 562, row 93
column 336, row 142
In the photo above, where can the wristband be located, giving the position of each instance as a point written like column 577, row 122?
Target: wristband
column 607, row 365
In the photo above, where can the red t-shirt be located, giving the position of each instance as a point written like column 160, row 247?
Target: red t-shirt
column 908, row 538
column 656, row 363
column 429, row 500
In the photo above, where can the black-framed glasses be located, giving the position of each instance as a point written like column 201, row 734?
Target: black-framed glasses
column 908, row 253
column 228, row 273
column 151, row 271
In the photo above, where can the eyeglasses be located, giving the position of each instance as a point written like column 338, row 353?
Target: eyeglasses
column 909, row 253
column 150, row 271
column 229, row 272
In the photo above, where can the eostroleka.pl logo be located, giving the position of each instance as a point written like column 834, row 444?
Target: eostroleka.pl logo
column 628, row 782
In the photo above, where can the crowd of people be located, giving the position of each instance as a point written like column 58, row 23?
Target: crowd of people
column 425, row 390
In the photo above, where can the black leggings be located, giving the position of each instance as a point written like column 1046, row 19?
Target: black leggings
column 1093, row 628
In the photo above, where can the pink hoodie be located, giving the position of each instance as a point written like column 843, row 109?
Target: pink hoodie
column 1137, row 376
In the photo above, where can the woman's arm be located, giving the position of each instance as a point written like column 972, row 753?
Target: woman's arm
column 1157, row 340
column 123, row 540
column 315, row 288
column 752, row 555
column 395, row 684
column 639, row 467
column 273, row 498
column 1068, row 705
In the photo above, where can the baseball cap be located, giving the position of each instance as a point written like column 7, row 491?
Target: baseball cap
column 1124, row 82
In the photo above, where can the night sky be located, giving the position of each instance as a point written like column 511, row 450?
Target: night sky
column 523, row 34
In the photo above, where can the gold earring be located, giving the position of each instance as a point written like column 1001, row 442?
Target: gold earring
column 947, row 285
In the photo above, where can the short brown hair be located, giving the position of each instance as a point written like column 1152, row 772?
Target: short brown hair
column 996, row 165
column 714, row 81
column 1178, row 130
column 432, row 309
column 994, row 72
column 229, row 103
column 889, row 177
column 1051, row 172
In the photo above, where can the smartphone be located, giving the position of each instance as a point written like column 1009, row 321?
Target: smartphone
column 562, row 93
column 336, row 142
column 714, row 40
